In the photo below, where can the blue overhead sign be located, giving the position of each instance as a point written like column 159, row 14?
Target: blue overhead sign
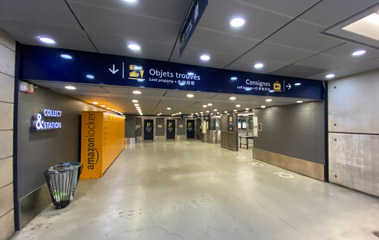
column 39, row 63
column 192, row 20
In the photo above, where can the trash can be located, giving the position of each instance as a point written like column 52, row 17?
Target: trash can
column 77, row 171
column 59, row 180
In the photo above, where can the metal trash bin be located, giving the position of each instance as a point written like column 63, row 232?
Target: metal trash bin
column 59, row 180
column 77, row 171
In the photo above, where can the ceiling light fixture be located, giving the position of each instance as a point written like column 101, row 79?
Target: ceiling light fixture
column 215, row 110
column 90, row 76
column 297, row 84
column 134, row 101
column 263, row 106
column 136, row 92
column 299, row 101
column 134, row 47
column 358, row 53
column 169, row 108
column 205, row 106
column 136, row 105
column 225, row 111
column 95, row 103
column 69, row 87
column 232, row 98
column 190, row 95
column 210, row 104
column 205, row 57
column 102, row 106
column 330, row 76
column 258, row 65
column 247, row 109
column 237, row 22
column 66, row 56
column 269, row 100
column 46, row 40
column 238, row 105
column 130, row 1
column 233, row 78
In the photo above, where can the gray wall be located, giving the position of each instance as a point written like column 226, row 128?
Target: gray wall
column 139, row 130
column 354, row 132
column 130, row 126
column 181, row 131
column 7, row 66
column 160, row 131
column 295, row 130
column 37, row 151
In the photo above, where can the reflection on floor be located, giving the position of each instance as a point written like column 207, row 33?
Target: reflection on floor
column 195, row 190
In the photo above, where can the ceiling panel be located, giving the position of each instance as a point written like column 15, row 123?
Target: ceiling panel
column 246, row 64
column 192, row 56
column 117, row 45
column 162, row 9
column 326, row 62
column 346, row 71
column 147, row 105
column 26, row 33
column 222, row 42
column 297, row 70
column 38, row 13
column 129, row 91
column 259, row 22
column 304, row 36
column 287, row 7
column 182, row 94
column 118, row 22
column 330, row 12
column 346, row 50
column 80, row 87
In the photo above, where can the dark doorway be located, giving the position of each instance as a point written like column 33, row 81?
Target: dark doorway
column 190, row 129
column 148, row 129
column 170, row 130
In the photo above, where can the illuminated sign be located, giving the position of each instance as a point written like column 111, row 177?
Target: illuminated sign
column 41, row 124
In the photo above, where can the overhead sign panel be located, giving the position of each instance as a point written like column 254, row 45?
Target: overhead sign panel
column 39, row 63
column 193, row 19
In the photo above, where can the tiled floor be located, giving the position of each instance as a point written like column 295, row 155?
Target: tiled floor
column 195, row 190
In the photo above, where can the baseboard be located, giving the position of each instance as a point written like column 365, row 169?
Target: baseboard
column 307, row 168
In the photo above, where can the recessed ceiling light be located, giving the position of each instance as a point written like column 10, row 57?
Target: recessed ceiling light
column 108, row 108
column 169, row 108
column 271, row 91
column 269, row 100
column 215, row 110
column 136, row 105
column 297, row 84
column 134, row 101
column 190, row 95
column 359, row 53
column 201, row 112
column 205, row 106
column 130, row 1
column 136, row 92
column 207, row 111
column 233, row 78
column 237, row 22
column 66, row 56
column 330, row 75
column 238, row 105
column 299, row 101
column 247, row 109
column 46, row 40
column 69, row 87
column 225, row 111
column 95, row 103
column 205, row 58
column 134, row 47
column 263, row 106
column 180, row 112
column 235, row 110
column 232, row 98
column 210, row 104
column 258, row 65
column 90, row 76
column 102, row 106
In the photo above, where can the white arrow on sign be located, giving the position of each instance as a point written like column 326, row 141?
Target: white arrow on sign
column 114, row 70
column 289, row 86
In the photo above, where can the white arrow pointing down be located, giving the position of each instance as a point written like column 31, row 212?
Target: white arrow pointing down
column 114, row 70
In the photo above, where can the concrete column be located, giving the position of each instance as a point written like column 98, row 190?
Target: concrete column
column 7, row 68
column 354, row 132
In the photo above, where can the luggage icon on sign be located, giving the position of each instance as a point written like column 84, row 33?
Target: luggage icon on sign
column 277, row 86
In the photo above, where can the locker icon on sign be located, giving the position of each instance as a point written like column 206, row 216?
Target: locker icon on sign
column 277, row 86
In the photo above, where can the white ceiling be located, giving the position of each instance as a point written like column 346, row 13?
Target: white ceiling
column 154, row 101
column 284, row 34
